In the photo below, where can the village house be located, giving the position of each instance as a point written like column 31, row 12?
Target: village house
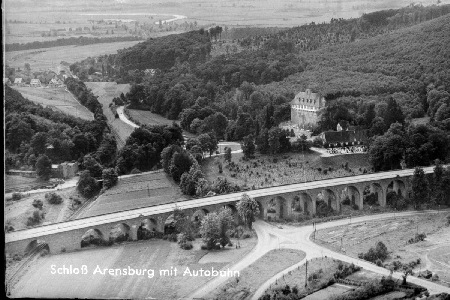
column 18, row 81
column 55, row 82
column 35, row 83
column 305, row 108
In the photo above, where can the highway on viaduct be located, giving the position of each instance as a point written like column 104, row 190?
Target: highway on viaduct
column 198, row 203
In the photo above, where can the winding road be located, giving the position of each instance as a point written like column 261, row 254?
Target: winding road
column 271, row 237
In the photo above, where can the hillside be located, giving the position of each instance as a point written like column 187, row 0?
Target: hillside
column 32, row 131
column 401, row 63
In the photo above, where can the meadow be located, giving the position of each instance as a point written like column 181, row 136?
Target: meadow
column 146, row 117
column 106, row 91
column 56, row 98
column 17, row 212
column 257, row 273
column 152, row 254
column 20, row 183
column 433, row 252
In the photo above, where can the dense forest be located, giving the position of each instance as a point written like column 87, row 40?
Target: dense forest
column 33, row 132
column 339, row 31
column 377, row 72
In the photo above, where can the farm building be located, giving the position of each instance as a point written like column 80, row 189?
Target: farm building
column 64, row 170
column 6, row 81
column 304, row 108
column 55, row 82
column 342, row 138
column 18, row 81
column 35, row 83
column 68, row 170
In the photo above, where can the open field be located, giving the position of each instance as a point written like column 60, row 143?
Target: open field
column 434, row 252
column 254, row 13
column 148, row 189
column 56, row 98
column 257, row 273
column 21, row 184
column 158, row 255
column 266, row 171
column 148, row 118
column 49, row 58
column 17, row 212
column 106, row 91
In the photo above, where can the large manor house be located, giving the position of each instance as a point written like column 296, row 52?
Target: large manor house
column 304, row 115
column 305, row 107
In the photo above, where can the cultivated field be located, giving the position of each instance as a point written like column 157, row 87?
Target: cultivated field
column 142, row 190
column 106, row 91
column 56, row 98
column 257, row 273
column 238, row 13
column 158, row 255
column 50, row 58
column 148, row 118
column 266, row 171
column 434, row 252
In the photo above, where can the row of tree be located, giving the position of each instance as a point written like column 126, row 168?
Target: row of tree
column 79, row 41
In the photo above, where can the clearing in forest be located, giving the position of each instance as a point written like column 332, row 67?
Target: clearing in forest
column 58, row 99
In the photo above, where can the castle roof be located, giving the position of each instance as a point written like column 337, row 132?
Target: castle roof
column 308, row 96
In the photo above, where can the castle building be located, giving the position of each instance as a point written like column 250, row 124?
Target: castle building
column 305, row 107
column 351, row 136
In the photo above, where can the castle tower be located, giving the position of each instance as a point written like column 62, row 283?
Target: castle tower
column 305, row 107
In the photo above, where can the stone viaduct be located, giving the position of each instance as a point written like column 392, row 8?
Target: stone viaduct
column 282, row 202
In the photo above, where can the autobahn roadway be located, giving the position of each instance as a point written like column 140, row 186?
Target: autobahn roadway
column 271, row 237
column 90, row 222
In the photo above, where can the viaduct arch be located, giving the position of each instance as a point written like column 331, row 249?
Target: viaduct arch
column 285, row 202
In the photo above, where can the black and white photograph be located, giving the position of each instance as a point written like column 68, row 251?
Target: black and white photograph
column 215, row 150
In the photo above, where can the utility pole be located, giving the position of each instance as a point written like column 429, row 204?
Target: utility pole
column 306, row 274
column 303, row 154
